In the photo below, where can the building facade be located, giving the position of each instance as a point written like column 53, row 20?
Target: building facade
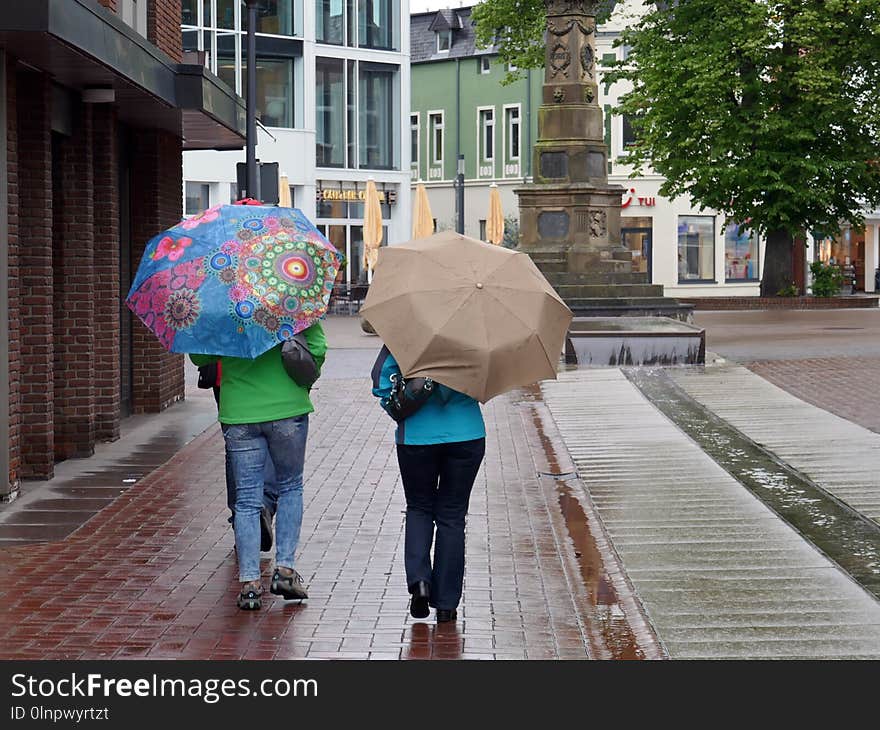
column 333, row 92
column 95, row 111
column 461, row 107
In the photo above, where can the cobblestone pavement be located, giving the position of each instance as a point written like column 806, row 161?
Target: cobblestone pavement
column 153, row 574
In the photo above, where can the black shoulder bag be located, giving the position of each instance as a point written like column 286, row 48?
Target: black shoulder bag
column 407, row 396
column 299, row 362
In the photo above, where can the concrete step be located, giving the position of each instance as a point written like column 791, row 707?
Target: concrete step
column 565, row 278
column 607, row 291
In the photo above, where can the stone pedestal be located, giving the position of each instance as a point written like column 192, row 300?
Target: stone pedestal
column 570, row 216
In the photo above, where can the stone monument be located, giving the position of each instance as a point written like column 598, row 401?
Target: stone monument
column 570, row 215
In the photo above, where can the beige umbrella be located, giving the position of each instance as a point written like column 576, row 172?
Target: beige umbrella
column 423, row 221
column 284, row 200
column 495, row 221
column 478, row 318
column 372, row 227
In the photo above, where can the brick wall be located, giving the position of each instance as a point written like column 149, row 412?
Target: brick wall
column 106, row 270
column 111, row 4
column 13, row 279
column 157, row 177
column 163, row 26
column 75, row 289
column 737, row 303
column 35, row 274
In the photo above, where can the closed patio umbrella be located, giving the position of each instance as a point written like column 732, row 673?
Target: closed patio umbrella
column 284, row 200
column 478, row 318
column 423, row 221
column 372, row 227
column 495, row 221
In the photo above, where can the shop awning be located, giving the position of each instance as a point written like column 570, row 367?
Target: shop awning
column 83, row 45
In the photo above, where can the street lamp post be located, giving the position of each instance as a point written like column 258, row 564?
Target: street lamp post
column 251, row 101
column 459, row 195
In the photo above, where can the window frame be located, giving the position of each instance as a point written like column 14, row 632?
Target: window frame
column 508, row 136
column 417, row 128
column 433, row 159
column 482, row 129
column 485, row 65
column 444, row 34
column 714, row 240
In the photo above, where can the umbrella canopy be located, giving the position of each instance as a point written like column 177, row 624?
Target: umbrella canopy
column 284, row 200
column 423, row 221
column 372, row 225
column 234, row 280
column 495, row 221
column 478, row 318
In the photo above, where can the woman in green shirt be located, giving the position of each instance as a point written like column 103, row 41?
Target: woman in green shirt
column 263, row 411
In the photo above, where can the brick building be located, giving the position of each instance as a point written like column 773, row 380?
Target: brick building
column 96, row 109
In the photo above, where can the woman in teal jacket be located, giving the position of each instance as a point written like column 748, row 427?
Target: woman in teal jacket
column 439, row 450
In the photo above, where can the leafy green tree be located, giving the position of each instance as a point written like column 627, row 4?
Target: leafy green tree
column 765, row 110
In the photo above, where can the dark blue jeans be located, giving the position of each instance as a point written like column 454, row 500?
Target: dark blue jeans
column 437, row 482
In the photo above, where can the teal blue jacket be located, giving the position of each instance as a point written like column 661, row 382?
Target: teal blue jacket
column 446, row 417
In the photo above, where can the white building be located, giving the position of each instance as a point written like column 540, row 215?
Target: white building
column 333, row 97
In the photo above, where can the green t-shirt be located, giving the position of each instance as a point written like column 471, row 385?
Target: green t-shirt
column 259, row 390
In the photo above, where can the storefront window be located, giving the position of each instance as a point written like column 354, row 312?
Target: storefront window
column 696, row 248
column 376, row 24
column 275, row 17
column 330, row 22
column 375, row 124
column 740, row 254
column 330, row 114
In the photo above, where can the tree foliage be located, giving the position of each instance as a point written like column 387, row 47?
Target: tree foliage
column 766, row 110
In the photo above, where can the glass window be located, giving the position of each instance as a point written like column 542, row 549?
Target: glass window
column 740, row 253
column 485, row 66
column 226, row 68
column 226, row 14
column 487, row 134
column 482, row 229
column 414, row 140
column 189, row 12
column 275, row 92
column 444, row 41
column 198, row 198
column 352, row 113
column 435, row 122
column 513, row 138
column 376, row 120
column 207, row 14
column 329, row 113
column 696, row 248
column 275, row 17
column 351, row 22
column 233, row 192
column 376, row 24
column 330, row 22
column 629, row 136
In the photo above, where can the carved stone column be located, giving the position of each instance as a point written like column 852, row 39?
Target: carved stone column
column 571, row 211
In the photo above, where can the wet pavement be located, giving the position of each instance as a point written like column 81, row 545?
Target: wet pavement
column 153, row 573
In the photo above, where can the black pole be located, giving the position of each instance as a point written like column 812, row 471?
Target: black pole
column 459, row 195
column 251, row 158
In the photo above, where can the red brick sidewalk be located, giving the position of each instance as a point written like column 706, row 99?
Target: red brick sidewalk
column 848, row 386
column 154, row 575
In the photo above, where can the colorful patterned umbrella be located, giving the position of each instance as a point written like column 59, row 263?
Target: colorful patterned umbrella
column 234, row 280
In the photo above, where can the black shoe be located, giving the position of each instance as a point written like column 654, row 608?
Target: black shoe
column 444, row 615
column 289, row 586
column 265, row 530
column 418, row 605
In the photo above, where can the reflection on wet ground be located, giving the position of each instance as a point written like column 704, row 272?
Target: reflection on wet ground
column 610, row 626
column 845, row 536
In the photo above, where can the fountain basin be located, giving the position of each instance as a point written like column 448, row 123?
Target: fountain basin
column 613, row 341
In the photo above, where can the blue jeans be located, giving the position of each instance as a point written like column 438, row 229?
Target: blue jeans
column 437, row 482
column 270, row 488
column 248, row 445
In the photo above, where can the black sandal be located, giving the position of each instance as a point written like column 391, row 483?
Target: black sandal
column 250, row 600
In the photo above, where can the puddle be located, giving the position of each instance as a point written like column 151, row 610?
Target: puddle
column 842, row 534
column 607, row 622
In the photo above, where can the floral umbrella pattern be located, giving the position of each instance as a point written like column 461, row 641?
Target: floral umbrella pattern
column 234, row 280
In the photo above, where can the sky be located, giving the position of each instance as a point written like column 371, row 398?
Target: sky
column 420, row 6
